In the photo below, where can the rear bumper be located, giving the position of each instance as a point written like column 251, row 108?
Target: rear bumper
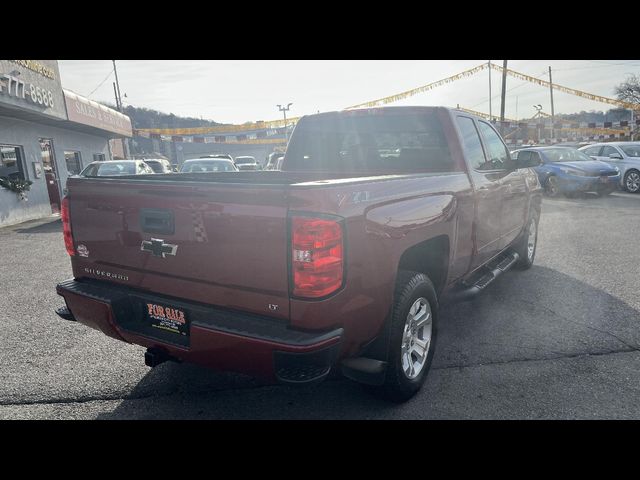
column 221, row 339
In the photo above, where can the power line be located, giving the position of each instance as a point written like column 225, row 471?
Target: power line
column 512, row 88
column 105, row 79
column 608, row 63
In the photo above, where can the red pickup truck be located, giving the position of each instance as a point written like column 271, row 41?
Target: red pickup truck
column 337, row 261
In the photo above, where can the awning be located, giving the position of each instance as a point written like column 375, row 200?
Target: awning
column 83, row 111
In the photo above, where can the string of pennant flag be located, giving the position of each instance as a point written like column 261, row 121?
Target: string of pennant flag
column 273, row 126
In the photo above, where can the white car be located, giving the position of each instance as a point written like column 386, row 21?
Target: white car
column 624, row 155
column 247, row 163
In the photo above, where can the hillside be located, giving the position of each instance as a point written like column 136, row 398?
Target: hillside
column 148, row 118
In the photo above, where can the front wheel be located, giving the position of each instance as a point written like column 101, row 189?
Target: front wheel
column 413, row 336
column 552, row 188
column 632, row 181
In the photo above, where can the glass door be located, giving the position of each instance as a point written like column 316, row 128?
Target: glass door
column 51, row 173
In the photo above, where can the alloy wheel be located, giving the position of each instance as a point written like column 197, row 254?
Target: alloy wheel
column 416, row 338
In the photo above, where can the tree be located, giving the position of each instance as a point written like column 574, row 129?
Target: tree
column 629, row 90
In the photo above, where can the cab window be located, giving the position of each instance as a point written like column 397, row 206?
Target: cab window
column 498, row 157
column 472, row 143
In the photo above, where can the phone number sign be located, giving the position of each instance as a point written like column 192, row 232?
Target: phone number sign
column 33, row 89
column 13, row 86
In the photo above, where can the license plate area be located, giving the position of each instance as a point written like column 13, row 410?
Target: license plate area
column 604, row 179
column 165, row 320
column 167, row 317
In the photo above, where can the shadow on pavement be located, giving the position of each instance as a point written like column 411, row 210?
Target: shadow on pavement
column 49, row 227
column 497, row 348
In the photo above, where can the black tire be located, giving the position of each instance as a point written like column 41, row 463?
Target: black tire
column 551, row 187
column 410, row 287
column 522, row 247
column 626, row 184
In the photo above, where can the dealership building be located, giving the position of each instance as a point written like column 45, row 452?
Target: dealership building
column 47, row 133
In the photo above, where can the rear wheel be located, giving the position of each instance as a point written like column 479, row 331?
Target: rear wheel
column 526, row 248
column 413, row 336
column 632, row 181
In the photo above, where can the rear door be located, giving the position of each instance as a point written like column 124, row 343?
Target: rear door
column 513, row 186
column 487, row 185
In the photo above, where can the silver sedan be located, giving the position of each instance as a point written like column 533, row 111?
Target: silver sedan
column 624, row 155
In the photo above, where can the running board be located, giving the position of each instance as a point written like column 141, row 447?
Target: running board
column 471, row 288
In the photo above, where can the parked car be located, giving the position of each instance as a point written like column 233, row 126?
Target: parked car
column 219, row 155
column 274, row 161
column 247, row 163
column 208, row 165
column 339, row 261
column 159, row 165
column 569, row 171
column 110, row 168
column 625, row 156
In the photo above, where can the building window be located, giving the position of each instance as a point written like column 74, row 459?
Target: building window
column 74, row 164
column 11, row 162
column 98, row 157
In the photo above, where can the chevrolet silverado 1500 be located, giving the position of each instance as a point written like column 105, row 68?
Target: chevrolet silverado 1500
column 337, row 261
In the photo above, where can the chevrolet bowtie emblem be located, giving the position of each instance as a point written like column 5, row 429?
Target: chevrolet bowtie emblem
column 158, row 248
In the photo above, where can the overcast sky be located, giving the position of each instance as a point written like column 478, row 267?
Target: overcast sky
column 238, row 91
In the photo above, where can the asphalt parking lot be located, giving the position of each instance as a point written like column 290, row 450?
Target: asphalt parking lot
column 559, row 341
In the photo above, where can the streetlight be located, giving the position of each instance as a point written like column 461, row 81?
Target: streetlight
column 538, row 115
column 284, row 110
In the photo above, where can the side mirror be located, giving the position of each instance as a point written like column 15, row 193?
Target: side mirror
column 615, row 156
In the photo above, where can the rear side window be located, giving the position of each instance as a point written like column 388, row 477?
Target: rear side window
column 394, row 143
column 498, row 156
column 471, row 140
column 632, row 150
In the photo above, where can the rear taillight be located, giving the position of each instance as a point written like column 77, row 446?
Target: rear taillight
column 66, row 227
column 317, row 262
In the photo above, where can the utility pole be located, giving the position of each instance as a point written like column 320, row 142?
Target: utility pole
column 284, row 110
column 125, row 144
column 115, row 92
column 489, row 89
column 504, row 91
column 552, row 111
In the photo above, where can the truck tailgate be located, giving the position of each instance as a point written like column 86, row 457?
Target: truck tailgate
column 216, row 243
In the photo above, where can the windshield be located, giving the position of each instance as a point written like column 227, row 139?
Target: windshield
column 631, row 150
column 566, row 155
column 208, row 166
column 244, row 160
